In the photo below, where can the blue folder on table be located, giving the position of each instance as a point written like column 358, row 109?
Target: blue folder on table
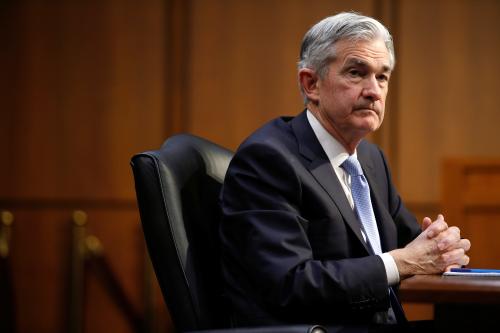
column 473, row 272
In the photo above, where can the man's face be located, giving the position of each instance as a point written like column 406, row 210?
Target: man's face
column 351, row 96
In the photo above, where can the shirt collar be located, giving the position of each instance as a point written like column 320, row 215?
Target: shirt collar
column 336, row 153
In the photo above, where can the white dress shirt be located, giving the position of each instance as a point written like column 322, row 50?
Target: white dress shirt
column 337, row 155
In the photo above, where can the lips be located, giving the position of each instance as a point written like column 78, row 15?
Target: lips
column 366, row 108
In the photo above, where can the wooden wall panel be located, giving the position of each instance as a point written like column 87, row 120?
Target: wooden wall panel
column 89, row 84
column 471, row 197
column 448, row 88
column 483, row 229
column 83, row 90
column 39, row 266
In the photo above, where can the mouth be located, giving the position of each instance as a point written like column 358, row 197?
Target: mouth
column 367, row 109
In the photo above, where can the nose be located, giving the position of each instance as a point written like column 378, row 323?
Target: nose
column 372, row 89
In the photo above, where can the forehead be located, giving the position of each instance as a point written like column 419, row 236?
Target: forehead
column 365, row 52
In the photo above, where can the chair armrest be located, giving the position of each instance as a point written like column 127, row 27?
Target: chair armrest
column 269, row 329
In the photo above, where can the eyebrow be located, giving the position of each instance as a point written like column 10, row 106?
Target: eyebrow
column 359, row 62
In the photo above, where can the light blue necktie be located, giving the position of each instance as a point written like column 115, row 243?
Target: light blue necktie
column 360, row 191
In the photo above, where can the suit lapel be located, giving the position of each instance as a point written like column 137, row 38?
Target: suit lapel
column 322, row 171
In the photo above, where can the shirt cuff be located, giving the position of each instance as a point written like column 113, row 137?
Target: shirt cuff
column 391, row 269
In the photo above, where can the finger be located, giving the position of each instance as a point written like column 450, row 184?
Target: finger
column 464, row 244
column 462, row 261
column 454, row 257
column 436, row 228
column 449, row 239
column 452, row 266
column 426, row 222
column 454, row 229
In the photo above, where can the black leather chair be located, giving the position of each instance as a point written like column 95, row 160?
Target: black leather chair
column 177, row 190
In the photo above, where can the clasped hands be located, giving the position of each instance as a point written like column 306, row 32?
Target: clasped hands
column 437, row 249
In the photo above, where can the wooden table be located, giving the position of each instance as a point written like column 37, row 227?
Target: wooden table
column 460, row 303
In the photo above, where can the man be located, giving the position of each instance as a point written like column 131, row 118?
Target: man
column 313, row 230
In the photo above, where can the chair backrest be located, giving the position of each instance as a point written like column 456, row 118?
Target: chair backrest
column 177, row 191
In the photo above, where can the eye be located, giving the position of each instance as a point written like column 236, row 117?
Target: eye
column 354, row 72
column 383, row 78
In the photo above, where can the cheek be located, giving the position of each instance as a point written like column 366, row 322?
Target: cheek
column 352, row 96
column 346, row 97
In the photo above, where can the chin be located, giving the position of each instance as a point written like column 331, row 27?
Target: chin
column 369, row 126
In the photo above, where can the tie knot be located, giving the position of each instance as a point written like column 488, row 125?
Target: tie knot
column 352, row 166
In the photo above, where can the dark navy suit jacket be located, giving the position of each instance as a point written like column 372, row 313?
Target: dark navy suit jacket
column 292, row 249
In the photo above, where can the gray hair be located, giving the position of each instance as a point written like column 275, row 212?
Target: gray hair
column 318, row 45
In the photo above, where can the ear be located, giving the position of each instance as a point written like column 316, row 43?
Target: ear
column 308, row 80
